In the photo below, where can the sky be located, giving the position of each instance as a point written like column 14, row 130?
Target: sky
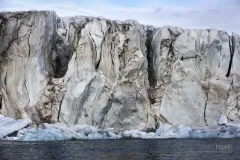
column 192, row 14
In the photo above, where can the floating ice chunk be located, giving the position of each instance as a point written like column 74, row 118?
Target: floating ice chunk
column 150, row 135
column 195, row 133
column 222, row 120
column 12, row 138
column 9, row 125
column 46, row 135
column 133, row 134
column 61, row 126
column 233, row 125
column 182, row 131
column 162, row 129
column 111, row 135
column 78, row 136
column 95, row 136
column 84, row 129
column 237, row 134
column 78, row 128
column 25, row 130
column 168, row 131
column 226, row 135
column 1, row 116
column 87, row 130
column 216, row 132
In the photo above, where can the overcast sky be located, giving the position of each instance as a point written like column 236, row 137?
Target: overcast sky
column 219, row 14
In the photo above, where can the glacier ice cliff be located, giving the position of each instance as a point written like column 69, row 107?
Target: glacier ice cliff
column 116, row 74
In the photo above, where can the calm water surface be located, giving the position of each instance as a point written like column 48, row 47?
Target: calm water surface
column 173, row 149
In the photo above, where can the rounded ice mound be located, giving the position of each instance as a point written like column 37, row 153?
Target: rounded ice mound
column 1, row 116
column 223, row 120
column 21, row 132
column 95, row 136
column 46, row 135
column 137, row 134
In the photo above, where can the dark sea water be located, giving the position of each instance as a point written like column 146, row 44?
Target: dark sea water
column 162, row 149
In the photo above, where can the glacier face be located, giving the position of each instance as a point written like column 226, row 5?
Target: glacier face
column 115, row 74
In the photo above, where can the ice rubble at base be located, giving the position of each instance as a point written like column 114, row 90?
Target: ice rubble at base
column 60, row 131
column 85, row 132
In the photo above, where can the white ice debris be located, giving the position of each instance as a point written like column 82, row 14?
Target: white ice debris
column 233, row 125
column 9, row 125
column 21, row 132
column 169, row 131
column 46, row 135
column 1, row 116
column 95, row 136
column 222, row 120
column 134, row 134
column 198, row 133
column 60, row 131
column 86, row 129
